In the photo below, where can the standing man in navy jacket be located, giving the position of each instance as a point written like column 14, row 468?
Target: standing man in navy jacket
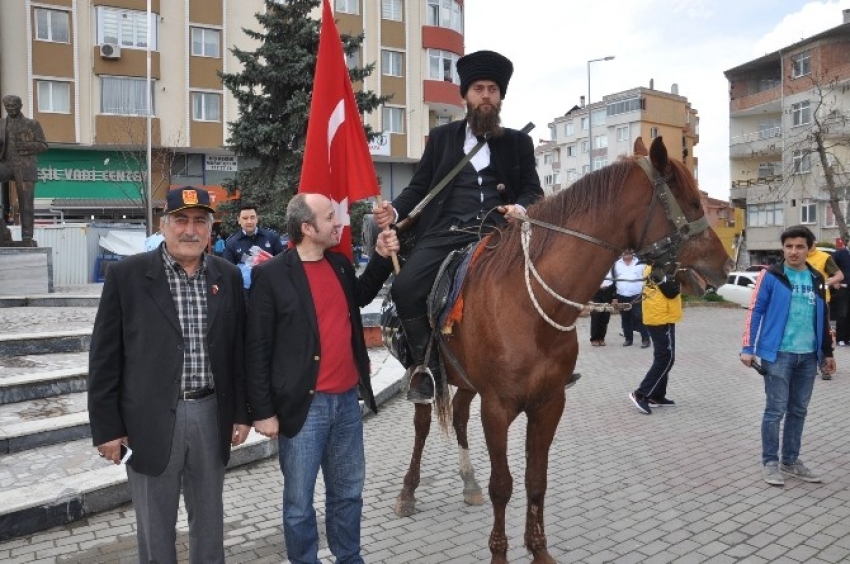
column 250, row 235
column 307, row 364
column 787, row 327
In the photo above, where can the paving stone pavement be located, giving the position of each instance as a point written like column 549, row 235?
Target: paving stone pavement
column 682, row 485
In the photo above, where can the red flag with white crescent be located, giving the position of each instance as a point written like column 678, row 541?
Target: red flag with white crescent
column 336, row 162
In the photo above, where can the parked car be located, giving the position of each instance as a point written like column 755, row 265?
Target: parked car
column 756, row 267
column 739, row 287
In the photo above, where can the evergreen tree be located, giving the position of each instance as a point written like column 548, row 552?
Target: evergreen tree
column 273, row 92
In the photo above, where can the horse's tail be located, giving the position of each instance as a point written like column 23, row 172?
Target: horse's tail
column 443, row 407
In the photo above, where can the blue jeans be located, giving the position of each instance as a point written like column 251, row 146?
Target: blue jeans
column 632, row 320
column 331, row 438
column 788, row 386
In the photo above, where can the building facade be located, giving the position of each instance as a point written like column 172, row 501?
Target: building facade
column 81, row 68
column 617, row 120
column 780, row 105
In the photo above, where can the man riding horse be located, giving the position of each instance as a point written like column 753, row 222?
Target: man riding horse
column 499, row 181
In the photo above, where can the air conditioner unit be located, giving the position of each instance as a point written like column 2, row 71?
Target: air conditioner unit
column 110, row 51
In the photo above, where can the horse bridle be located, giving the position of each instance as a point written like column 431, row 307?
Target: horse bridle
column 660, row 255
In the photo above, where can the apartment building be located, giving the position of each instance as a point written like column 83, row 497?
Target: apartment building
column 614, row 123
column 777, row 103
column 81, row 68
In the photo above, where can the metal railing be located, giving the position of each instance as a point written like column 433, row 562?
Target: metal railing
column 770, row 133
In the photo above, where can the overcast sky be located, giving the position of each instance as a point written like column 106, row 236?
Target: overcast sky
column 686, row 42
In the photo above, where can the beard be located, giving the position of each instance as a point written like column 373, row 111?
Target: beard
column 485, row 121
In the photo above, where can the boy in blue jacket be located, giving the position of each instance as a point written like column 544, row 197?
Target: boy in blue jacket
column 787, row 327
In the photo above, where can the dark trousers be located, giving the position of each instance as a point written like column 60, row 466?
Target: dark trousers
column 413, row 284
column 654, row 384
column 632, row 320
column 599, row 319
column 838, row 307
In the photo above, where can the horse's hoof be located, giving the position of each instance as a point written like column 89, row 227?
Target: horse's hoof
column 404, row 507
column 542, row 557
column 473, row 497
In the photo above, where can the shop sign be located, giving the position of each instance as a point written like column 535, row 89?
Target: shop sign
column 221, row 163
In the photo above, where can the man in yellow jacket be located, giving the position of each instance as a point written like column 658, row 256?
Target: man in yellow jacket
column 662, row 309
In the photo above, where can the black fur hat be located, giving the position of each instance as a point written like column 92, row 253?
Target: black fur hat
column 484, row 65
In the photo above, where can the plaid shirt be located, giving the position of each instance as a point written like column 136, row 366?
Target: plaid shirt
column 190, row 298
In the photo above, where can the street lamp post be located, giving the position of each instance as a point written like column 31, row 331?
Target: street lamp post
column 589, row 115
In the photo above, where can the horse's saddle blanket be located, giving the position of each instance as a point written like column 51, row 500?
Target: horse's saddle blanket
column 445, row 303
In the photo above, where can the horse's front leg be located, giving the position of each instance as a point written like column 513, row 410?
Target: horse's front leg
column 460, row 405
column 405, row 503
column 496, row 419
column 542, row 423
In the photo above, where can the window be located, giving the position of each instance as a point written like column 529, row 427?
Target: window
column 54, row 96
column 801, row 64
column 808, row 212
column 623, row 133
column 442, row 66
column 348, row 6
column 585, row 169
column 584, row 123
column 391, row 10
column 767, row 170
column 127, row 28
column 206, row 106
column 124, row 96
column 759, row 215
column 352, row 60
column 598, row 117
column 205, row 42
column 802, row 113
column 391, row 64
column 445, row 13
column 829, row 215
column 802, row 161
column 571, row 150
column 599, row 162
column 653, row 132
column 547, row 159
column 553, row 132
column 600, row 141
column 442, row 120
column 393, row 119
column 571, row 175
column 585, row 146
column 624, row 106
column 568, row 128
column 52, row 25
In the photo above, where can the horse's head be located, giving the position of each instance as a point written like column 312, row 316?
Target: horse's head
column 676, row 235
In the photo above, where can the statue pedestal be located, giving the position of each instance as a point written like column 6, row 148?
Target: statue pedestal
column 26, row 271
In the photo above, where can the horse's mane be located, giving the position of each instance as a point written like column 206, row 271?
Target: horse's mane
column 594, row 194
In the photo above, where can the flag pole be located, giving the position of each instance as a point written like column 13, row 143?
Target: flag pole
column 393, row 255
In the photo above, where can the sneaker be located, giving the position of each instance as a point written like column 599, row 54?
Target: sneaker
column 661, row 402
column 627, row 344
column 644, row 344
column 640, row 403
column 798, row 470
column 824, row 376
column 771, row 474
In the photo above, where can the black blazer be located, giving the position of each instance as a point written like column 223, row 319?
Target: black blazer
column 512, row 155
column 136, row 357
column 282, row 335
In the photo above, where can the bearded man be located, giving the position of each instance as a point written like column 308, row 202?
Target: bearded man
column 498, row 183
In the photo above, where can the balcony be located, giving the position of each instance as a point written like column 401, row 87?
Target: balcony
column 763, row 143
column 760, row 181
column 556, row 165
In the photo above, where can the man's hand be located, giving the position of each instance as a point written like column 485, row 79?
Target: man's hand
column 387, row 243
column 111, row 450
column 268, row 427
column 511, row 211
column 240, row 433
column 828, row 366
column 384, row 215
column 747, row 359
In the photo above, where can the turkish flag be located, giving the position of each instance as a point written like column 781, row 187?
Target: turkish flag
column 336, row 162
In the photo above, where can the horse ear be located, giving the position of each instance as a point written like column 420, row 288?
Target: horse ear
column 658, row 155
column 640, row 148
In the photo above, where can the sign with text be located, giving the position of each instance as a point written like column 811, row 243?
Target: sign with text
column 221, row 163
column 380, row 145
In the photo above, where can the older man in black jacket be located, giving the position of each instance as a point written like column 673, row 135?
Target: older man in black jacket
column 307, row 363
column 500, row 181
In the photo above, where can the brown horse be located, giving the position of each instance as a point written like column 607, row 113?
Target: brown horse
column 518, row 360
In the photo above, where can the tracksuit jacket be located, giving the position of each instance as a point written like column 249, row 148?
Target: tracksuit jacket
column 768, row 314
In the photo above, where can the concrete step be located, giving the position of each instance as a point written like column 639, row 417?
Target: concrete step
column 46, row 342
column 52, row 484
column 26, row 425
column 50, row 300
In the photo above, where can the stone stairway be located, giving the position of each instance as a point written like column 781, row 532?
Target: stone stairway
column 49, row 472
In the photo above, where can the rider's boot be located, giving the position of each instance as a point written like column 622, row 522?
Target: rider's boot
column 418, row 332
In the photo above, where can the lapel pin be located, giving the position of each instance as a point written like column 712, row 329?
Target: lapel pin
column 215, row 289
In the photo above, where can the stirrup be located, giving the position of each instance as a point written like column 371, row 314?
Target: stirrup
column 421, row 369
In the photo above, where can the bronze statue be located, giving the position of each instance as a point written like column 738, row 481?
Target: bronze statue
column 21, row 140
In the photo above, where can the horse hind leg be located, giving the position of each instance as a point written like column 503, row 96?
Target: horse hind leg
column 542, row 423
column 405, row 503
column 460, row 404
